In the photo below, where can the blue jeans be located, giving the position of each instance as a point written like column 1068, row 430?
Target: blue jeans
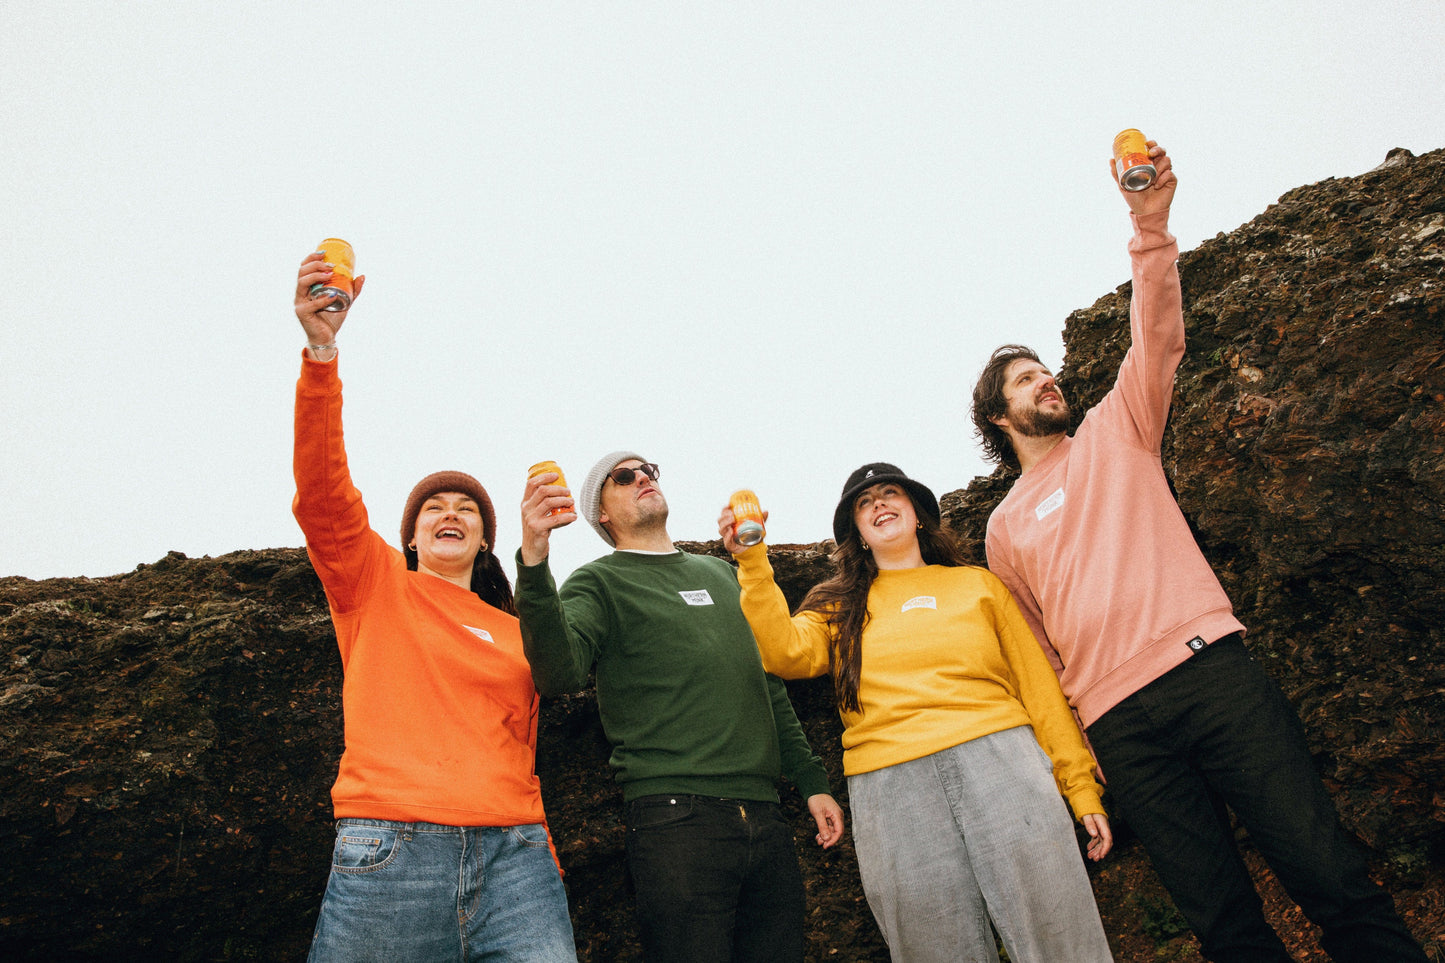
column 1216, row 732
column 717, row 880
column 976, row 832
column 420, row 892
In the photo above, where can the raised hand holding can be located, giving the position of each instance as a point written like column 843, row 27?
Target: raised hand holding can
column 747, row 517
column 542, row 468
column 1132, row 167
column 343, row 270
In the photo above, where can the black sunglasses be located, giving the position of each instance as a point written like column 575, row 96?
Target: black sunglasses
column 626, row 476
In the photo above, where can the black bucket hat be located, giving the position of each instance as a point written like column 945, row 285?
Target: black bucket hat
column 877, row 473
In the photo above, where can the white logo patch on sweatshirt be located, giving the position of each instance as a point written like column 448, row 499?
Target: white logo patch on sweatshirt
column 482, row 634
column 1049, row 505
column 921, row 602
column 696, row 597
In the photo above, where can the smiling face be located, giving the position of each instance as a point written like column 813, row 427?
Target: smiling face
column 628, row 509
column 1036, row 407
column 448, row 533
column 885, row 517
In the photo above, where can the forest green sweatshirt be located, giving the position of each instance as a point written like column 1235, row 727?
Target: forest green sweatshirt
column 683, row 696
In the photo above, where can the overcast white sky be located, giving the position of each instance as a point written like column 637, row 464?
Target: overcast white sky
column 761, row 243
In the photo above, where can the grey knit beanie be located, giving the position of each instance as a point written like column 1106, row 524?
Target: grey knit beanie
column 591, row 494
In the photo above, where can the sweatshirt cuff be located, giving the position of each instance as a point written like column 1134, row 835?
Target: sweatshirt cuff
column 538, row 574
column 754, row 558
column 813, row 782
column 318, row 374
column 1086, row 801
column 1150, row 230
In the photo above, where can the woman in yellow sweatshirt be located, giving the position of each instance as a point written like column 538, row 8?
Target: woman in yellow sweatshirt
column 957, row 740
column 442, row 849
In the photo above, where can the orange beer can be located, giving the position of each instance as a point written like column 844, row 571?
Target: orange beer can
column 343, row 264
column 747, row 517
column 542, row 468
column 1132, row 166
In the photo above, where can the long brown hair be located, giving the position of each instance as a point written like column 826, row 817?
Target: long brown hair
column 489, row 582
column 844, row 599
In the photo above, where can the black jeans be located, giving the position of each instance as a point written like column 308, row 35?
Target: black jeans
column 1213, row 732
column 717, row 880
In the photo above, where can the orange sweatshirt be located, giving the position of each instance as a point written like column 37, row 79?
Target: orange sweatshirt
column 440, row 711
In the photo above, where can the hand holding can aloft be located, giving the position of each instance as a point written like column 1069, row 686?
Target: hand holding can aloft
column 1132, row 167
column 542, row 468
column 747, row 517
column 343, row 270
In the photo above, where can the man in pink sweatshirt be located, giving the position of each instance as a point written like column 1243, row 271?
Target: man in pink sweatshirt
column 1182, row 720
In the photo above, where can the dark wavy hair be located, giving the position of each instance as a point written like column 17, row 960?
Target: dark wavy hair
column 489, row 580
column 989, row 403
column 843, row 598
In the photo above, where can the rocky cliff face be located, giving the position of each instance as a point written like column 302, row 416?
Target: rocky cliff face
column 170, row 735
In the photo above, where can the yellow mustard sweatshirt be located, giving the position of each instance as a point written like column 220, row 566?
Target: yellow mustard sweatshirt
column 947, row 657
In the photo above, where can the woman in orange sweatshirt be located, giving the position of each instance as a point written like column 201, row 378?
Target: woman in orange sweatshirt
column 442, row 849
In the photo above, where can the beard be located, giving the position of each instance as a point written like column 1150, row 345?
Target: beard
column 652, row 513
column 647, row 516
column 1034, row 422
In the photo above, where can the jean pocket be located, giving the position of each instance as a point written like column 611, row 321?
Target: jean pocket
column 658, row 812
column 363, row 849
column 530, row 834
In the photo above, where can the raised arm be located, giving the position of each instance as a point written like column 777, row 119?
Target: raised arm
column 1156, row 319
column 561, row 641
column 792, row 647
column 327, row 505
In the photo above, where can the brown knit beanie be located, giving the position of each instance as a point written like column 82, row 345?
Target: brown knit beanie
column 435, row 484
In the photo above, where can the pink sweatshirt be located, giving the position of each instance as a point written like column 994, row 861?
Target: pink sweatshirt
column 1090, row 540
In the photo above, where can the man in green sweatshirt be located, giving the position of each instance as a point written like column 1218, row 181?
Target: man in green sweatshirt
column 699, row 733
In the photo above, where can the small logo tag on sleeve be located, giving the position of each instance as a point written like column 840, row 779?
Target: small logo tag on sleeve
column 921, row 602
column 697, row 597
column 1197, row 644
column 1049, row 505
column 482, row 634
